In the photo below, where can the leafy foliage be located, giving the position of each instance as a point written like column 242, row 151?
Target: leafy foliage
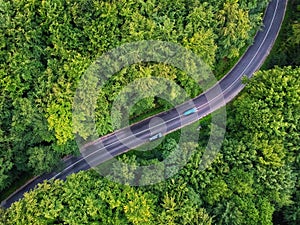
column 86, row 199
column 46, row 46
column 255, row 175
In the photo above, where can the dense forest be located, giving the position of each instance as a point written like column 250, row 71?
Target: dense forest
column 254, row 174
column 46, row 47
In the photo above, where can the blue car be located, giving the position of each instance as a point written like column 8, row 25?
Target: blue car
column 190, row 111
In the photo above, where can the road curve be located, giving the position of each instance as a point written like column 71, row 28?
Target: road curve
column 121, row 141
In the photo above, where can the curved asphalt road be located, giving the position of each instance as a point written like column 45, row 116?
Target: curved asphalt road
column 123, row 140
